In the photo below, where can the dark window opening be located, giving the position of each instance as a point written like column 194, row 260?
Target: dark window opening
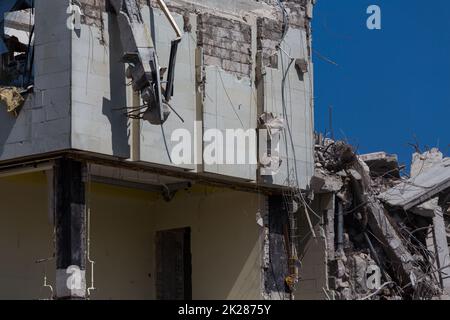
column 16, row 43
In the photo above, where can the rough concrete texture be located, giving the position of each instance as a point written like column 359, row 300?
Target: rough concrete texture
column 229, row 104
column 81, row 86
column 98, row 92
column 423, row 162
column 298, row 111
column 407, row 248
column 153, row 139
column 43, row 124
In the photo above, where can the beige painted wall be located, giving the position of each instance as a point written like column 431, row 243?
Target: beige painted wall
column 25, row 236
column 225, row 240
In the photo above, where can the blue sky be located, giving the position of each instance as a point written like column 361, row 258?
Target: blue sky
column 390, row 85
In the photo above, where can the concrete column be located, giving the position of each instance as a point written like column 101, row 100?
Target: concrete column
column 70, row 224
column 328, row 204
column 442, row 250
column 278, row 268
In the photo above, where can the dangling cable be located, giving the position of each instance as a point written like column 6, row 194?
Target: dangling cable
column 285, row 20
column 88, row 229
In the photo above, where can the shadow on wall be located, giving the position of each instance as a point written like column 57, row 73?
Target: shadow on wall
column 7, row 122
column 111, row 108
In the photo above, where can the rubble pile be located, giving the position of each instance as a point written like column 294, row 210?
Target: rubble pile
column 381, row 247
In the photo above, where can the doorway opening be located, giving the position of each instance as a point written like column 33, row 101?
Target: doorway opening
column 174, row 264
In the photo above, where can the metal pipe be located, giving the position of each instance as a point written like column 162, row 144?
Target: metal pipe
column 340, row 227
column 169, row 17
column 88, row 229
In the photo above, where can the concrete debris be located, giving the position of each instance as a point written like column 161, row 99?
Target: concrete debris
column 274, row 126
column 425, row 161
column 322, row 182
column 12, row 98
column 382, row 164
column 272, row 123
column 447, row 225
column 259, row 220
column 388, row 244
column 421, row 188
column 427, row 209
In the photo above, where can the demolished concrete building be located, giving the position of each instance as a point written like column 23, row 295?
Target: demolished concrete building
column 386, row 235
column 93, row 91
column 93, row 95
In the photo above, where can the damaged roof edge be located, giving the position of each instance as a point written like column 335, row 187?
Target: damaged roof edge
column 419, row 189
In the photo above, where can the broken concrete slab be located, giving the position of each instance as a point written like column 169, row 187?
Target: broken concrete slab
column 419, row 189
column 383, row 229
column 423, row 162
column 426, row 209
column 323, row 183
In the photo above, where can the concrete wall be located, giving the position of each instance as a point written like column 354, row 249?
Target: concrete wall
column 155, row 142
column 225, row 99
column 100, row 94
column 229, row 50
column 299, row 113
column 99, row 91
column 80, row 90
column 225, row 240
column 43, row 125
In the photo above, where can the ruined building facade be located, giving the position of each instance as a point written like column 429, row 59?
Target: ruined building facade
column 386, row 228
column 93, row 205
column 101, row 99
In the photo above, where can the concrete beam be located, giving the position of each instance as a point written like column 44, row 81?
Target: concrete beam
column 402, row 260
column 403, row 263
column 441, row 249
